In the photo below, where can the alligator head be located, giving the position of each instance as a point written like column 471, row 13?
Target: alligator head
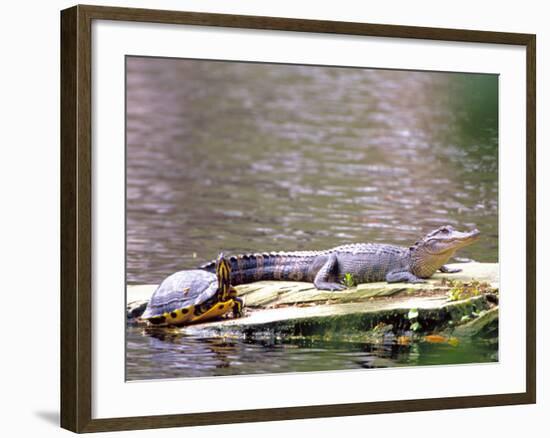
column 437, row 247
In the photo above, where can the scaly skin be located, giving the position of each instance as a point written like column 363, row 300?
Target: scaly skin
column 365, row 262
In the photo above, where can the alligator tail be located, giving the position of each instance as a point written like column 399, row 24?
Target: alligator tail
column 248, row 268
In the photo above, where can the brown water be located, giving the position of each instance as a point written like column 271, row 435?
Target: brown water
column 245, row 157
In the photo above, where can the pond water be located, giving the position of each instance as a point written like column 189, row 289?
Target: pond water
column 246, row 157
column 164, row 354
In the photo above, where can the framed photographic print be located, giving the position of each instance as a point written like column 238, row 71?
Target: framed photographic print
column 341, row 214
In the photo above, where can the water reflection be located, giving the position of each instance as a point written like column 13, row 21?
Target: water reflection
column 162, row 354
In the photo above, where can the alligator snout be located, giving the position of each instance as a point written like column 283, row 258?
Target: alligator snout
column 475, row 233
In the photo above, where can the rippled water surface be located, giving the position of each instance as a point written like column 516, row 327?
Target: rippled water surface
column 258, row 157
column 162, row 354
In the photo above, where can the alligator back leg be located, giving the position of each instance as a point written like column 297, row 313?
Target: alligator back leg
column 403, row 276
column 328, row 271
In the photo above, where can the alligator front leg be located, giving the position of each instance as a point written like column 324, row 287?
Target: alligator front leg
column 404, row 276
column 446, row 270
column 327, row 271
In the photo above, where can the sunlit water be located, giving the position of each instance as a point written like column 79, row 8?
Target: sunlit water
column 247, row 157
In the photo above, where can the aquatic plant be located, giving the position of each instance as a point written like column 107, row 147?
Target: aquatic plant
column 349, row 281
column 461, row 290
column 412, row 316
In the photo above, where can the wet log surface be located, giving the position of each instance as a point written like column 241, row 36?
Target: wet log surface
column 465, row 304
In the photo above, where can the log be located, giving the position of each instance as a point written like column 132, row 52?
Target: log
column 284, row 308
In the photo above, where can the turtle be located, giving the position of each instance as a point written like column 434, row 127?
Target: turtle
column 192, row 296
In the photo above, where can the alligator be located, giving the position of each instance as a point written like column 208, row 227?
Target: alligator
column 364, row 262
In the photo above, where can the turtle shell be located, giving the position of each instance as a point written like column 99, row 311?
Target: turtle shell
column 174, row 300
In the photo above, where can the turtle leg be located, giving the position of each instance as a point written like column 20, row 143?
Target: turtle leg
column 237, row 307
column 238, row 303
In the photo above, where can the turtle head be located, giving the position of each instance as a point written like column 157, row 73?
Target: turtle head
column 223, row 272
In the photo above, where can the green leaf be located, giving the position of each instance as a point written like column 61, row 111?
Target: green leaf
column 413, row 313
column 349, row 281
column 415, row 326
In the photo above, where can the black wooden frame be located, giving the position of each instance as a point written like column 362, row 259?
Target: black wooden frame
column 76, row 225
